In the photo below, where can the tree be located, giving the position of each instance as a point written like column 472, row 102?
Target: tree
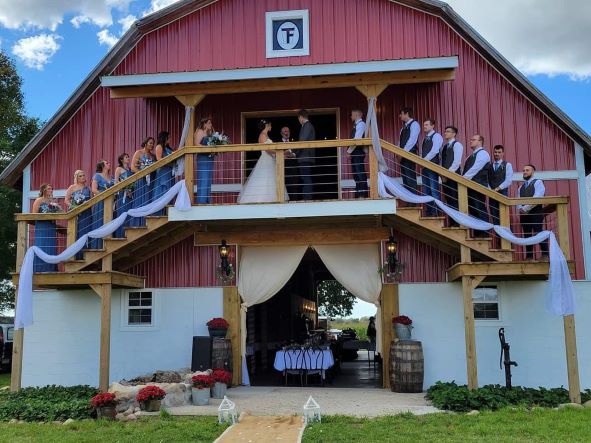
column 16, row 129
column 334, row 300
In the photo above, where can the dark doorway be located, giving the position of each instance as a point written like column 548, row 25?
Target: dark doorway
column 325, row 171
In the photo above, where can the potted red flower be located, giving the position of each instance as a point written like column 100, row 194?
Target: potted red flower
column 201, row 391
column 222, row 379
column 217, row 327
column 150, row 398
column 403, row 326
column 105, row 405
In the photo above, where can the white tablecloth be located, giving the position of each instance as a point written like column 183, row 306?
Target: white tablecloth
column 304, row 360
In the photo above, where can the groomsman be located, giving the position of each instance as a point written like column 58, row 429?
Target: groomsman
column 432, row 144
column 476, row 169
column 531, row 217
column 500, row 177
column 291, row 166
column 451, row 159
column 357, row 155
column 409, row 141
column 306, row 157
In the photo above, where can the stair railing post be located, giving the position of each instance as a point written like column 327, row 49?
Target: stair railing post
column 18, row 340
column 280, row 174
column 190, row 175
column 505, row 220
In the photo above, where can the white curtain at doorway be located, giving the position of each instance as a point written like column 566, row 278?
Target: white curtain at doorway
column 263, row 271
column 356, row 268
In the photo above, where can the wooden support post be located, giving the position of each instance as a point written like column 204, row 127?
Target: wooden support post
column 232, row 315
column 389, row 302
column 19, row 334
column 104, row 292
column 190, row 175
column 562, row 221
column 462, row 198
column 190, row 100
column 71, row 231
column 280, row 175
column 373, row 175
column 505, row 220
column 468, row 285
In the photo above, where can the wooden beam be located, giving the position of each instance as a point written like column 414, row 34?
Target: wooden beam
column 505, row 220
column 280, row 175
column 84, row 278
column 371, row 90
column 190, row 175
column 294, row 237
column 19, row 334
column 191, row 100
column 104, row 292
column 562, row 220
column 469, row 333
column 501, row 269
column 232, row 315
column 390, row 304
column 572, row 360
column 284, row 84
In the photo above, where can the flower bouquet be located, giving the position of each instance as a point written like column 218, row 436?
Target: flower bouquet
column 217, row 139
column 201, row 391
column 77, row 200
column 222, row 379
column 105, row 405
column 150, row 397
column 51, row 208
column 217, row 327
column 403, row 326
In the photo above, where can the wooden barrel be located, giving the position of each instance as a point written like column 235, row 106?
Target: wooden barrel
column 221, row 354
column 407, row 366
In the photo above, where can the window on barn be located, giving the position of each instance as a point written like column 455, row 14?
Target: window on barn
column 486, row 303
column 139, row 308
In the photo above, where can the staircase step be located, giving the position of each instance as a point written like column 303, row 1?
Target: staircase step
column 432, row 218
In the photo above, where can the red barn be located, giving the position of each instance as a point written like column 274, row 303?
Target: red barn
column 238, row 62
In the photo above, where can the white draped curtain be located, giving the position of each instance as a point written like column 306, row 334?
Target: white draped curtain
column 263, row 271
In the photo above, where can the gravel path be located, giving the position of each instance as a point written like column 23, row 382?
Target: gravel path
column 332, row 401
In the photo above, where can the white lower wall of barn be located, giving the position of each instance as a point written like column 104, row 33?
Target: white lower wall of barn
column 62, row 346
column 536, row 337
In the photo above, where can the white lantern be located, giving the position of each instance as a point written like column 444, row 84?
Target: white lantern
column 227, row 411
column 312, row 411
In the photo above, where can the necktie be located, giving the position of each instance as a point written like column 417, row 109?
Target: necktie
column 496, row 166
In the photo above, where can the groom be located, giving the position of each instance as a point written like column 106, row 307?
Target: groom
column 306, row 157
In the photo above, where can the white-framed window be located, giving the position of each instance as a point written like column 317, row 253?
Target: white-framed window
column 287, row 33
column 139, row 310
column 486, row 303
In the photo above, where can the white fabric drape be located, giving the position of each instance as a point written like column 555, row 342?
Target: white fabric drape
column 178, row 169
column 372, row 123
column 24, row 308
column 560, row 292
column 356, row 268
column 263, row 271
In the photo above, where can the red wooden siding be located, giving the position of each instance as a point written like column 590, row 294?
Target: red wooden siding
column 230, row 35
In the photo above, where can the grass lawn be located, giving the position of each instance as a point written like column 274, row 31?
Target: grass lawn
column 4, row 379
column 502, row 426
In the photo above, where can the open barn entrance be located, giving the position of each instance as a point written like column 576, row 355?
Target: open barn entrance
column 325, row 170
column 279, row 328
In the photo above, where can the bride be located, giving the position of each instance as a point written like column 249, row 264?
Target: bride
column 260, row 187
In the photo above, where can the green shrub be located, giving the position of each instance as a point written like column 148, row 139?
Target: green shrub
column 450, row 396
column 48, row 403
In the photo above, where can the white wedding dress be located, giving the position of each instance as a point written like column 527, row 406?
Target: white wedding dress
column 261, row 185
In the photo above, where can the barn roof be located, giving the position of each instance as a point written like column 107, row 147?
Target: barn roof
column 13, row 172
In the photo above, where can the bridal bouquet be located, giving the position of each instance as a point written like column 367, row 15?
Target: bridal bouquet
column 77, row 200
column 51, row 208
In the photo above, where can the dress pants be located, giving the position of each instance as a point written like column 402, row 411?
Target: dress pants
column 204, row 177
column 477, row 205
column 493, row 206
column 306, row 178
column 531, row 224
column 408, row 172
column 359, row 174
column 431, row 188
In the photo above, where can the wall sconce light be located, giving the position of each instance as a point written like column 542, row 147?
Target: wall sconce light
column 392, row 269
column 225, row 271
column 392, row 248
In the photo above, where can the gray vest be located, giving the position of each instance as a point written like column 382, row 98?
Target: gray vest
column 527, row 192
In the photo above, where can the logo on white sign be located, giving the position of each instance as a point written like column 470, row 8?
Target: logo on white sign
column 288, row 35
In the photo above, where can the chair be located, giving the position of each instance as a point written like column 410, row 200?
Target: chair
column 292, row 358
column 314, row 363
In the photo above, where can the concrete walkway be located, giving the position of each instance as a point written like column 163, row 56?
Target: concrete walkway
column 289, row 401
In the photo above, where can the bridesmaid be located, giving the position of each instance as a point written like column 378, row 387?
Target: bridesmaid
column 142, row 158
column 77, row 194
column 124, row 197
column 204, row 161
column 45, row 230
column 164, row 178
column 101, row 181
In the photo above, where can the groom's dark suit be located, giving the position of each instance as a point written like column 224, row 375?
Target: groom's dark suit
column 306, row 158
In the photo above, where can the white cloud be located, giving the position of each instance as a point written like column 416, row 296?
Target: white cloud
column 157, row 5
column 106, row 38
column 126, row 22
column 35, row 52
column 44, row 14
column 537, row 36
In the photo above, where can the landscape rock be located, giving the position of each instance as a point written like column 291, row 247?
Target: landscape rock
column 120, row 417
column 128, row 411
column 132, row 417
column 13, row 421
column 57, row 422
column 166, row 377
column 473, row 412
column 69, row 421
column 570, row 405
column 587, row 404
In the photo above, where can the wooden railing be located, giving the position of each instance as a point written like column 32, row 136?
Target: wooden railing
column 189, row 152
